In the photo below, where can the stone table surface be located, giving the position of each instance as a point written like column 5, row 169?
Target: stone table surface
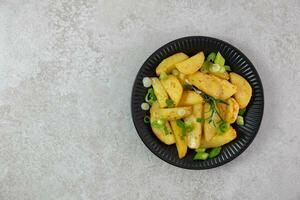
column 66, row 74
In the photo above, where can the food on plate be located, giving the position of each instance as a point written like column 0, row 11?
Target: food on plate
column 193, row 102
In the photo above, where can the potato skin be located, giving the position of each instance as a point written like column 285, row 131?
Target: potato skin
column 228, row 89
column 181, row 144
column 191, row 65
column 244, row 90
column 209, row 129
column 160, row 92
column 168, row 64
column 160, row 134
column 174, row 113
column 222, row 75
column 173, row 88
column 230, row 111
column 189, row 98
column 219, row 140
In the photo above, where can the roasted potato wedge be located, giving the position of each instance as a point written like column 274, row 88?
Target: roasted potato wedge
column 222, row 75
column 160, row 92
column 182, row 78
column 244, row 90
column 173, row 88
column 191, row 65
column 181, row 144
column 230, row 111
column 168, row 64
column 206, row 83
column 189, row 98
column 228, row 89
column 219, row 140
column 210, row 128
column 174, row 113
column 160, row 133
column 194, row 136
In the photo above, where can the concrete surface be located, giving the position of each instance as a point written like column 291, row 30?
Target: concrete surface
column 66, row 73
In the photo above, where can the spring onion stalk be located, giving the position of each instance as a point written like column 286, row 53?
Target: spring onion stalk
column 146, row 119
column 211, row 57
column 147, row 82
column 200, row 150
column 227, row 67
column 205, row 66
column 216, row 68
column 145, row 106
column 201, row 156
column 163, row 76
column 150, row 96
column 242, row 111
column 220, row 60
column 240, row 120
column 215, row 152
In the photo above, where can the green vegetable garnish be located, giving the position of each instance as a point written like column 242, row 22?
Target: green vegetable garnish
column 181, row 124
column 223, row 127
column 150, row 96
column 217, row 68
column 214, row 152
column 211, row 57
column 220, row 60
column 200, row 120
column 200, row 150
column 163, row 76
column 146, row 119
column 161, row 124
column 201, row 156
column 227, row 67
column 242, row 111
column 205, row 66
column 170, row 103
column 240, row 120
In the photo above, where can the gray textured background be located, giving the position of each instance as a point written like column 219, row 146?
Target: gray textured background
column 66, row 73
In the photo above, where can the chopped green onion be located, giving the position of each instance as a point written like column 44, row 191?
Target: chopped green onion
column 223, row 127
column 201, row 156
column 214, row 152
column 146, row 119
column 163, row 76
column 175, row 72
column 147, row 82
column 211, row 57
column 181, row 124
column 242, row 111
column 200, row 120
column 170, row 103
column 216, row 68
column 145, row 106
column 205, row 66
column 200, row 150
column 240, row 120
column 189, row 127
column 161, row 124
column 150, row 96
column 227, row 67
column 220, row 60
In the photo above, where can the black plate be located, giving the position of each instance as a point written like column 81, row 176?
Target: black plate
column 239, row 63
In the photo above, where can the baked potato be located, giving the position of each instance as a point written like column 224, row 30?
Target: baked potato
column 174, row 113
column 160, row 92
column 189, row 98
column 181, row 144
column 168, row 64
column 192, row 64
column 219, row 140
column 244, row 90
column 173, row 88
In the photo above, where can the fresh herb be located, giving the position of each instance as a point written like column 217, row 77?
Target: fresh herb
column 211, row 57
column 150, row 96
column 163, row 76
column 200, row 150
column 227, row 67
column 242, row 111
column 146, row 119
column 214, row 152
column 160, row 124
column 185, row 127
column 220, row 60
column 170, row 103
column 201, row 156
column 222, row 127
column 240, row 120
column 217, row 68
column 200, row 120
column 206, row 66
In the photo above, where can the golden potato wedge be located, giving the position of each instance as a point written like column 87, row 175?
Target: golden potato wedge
column 168, row 64
column 194, row 136
column 222, row 75
column 181, row 144
column 244, row 90
column 181, row 78
column 160, row 133
column 160, row 92
column 232, row 110
column 228, row 89
column 173, row 88
column 174, row 113
column 189, row 98
column 210, row 128
column 219, row 140
column 206, row 83
column 191, row 65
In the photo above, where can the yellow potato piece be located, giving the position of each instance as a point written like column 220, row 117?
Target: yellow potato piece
column 174, row 113
column 168, row 64
column 230, row 111
column 181, row 144
column 191, row 65
column 222, row 75
column 160, row 92
column 206, row 83
column 228, row 89
column 219, row 140
column 210, row 128
column 244, row 90
column 189, row 98
column 160, row 133
column 194, row 136
column 182, row 78
column 173, row 88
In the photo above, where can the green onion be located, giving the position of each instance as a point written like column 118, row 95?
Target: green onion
column 216, row 68
column 227, row 67
column 200, row 150
column 163, row 76
column 166, row 130
column 211, row 57
column 175, row 72
column 181, row 124
column 200, row 120
column 214, row 152
column 220, row 60
column 189, row 127
column 146, row 119
column 205, row 66
column 150, row 96
column 160, row 124
column 240, row 120
column 170, row 103
column 242, row 111
column 223, row 127
column 201, row 156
